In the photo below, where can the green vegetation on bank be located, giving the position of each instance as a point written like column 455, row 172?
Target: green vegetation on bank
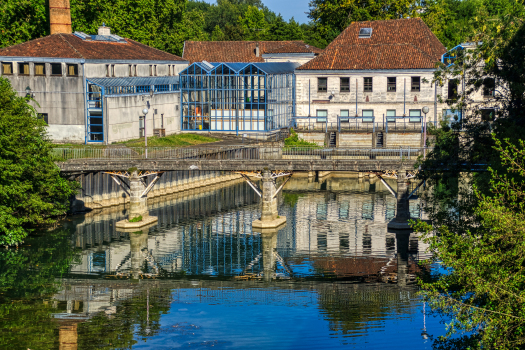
column 32, row 191
column 178, row 140
column 295, row 141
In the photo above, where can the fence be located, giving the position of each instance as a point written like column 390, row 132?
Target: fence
column 237, row 153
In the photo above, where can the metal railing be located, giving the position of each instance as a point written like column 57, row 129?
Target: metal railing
column 237, row 153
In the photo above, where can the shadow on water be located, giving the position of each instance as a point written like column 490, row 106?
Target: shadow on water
column 333, row 276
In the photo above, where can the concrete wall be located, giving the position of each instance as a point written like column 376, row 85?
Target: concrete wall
column 318, row 138
column 379, row 100
column 403, row 140
column 123, row 113
column 283, row 58
column 99, row 70
column 355, row 140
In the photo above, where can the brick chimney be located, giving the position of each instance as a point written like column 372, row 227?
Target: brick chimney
column 59, row 17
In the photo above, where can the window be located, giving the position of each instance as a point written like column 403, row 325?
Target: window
column 40, row 69
column 112, row 70
column 56, row 68
column 7, row 68
column 23, row 68
column 488, row 114
column 390, row 115
column 130, row 67
column 162, row 88
column 155, row 70
column 72, row 70
column 135, row 70
column 150, row 70
column 344, row 114
column 451, row 116
column 453, row 89
column 489, row 85
column 368, row 116
column 169, row 69
column 365, row 32
column 391, row 84
column 321, row 115
column 414, row 116
column 345, row 84
column 322, row 84
column 416, row 84
column 367, row 87
column 144, row 88
column 107, row 70
column 44, row 117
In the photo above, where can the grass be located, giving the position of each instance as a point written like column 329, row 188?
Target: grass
column 136, row 219
column 179, row 140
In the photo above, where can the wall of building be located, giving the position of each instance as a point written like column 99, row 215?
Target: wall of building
column 124, row 112
column 290, row 58
column 121, row 70
column 379, row 100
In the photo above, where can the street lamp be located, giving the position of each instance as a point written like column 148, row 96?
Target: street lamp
column 425, row 111
column 145, row 111
column 28, row 92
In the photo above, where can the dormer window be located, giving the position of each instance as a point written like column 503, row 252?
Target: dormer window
column 365, row 32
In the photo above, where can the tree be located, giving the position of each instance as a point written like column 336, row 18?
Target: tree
column 331, row 17
column 483, row 288
column 22, row 20
column 218, row 34
column 32, row 191
column 253, row 23
column 280, row 30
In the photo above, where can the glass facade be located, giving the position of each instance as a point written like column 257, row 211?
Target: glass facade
column 237, row 96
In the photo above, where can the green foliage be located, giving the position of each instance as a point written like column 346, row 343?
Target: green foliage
column 253, row 23
column 136, row 219
column 295, row 141
column 291, row 198
column 331, row 17
column 483, row 288
column 177, row 140
column 22, row 20
column 32, row 191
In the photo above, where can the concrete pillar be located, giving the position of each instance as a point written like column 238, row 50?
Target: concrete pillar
column 138, row 243
column 269, row 216
column 138, row 205
column 400, row 222
column 402, row 240
column 269, row 245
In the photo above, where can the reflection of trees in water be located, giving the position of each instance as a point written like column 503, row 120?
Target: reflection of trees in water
column 138, row 316
column 351, row 309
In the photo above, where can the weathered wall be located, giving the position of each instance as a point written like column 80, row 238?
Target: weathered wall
column 318, row 138
column 355, row 140
column 403, row 140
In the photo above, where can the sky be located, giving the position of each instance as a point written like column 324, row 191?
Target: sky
column 287, row 8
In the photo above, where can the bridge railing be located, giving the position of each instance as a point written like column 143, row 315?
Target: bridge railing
column 237, row 153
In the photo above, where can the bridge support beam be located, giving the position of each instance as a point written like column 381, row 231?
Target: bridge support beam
column 400, row 222
column 138, row 204
column 269, row 216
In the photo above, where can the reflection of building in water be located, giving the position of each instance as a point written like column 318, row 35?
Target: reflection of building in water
column 341, row 234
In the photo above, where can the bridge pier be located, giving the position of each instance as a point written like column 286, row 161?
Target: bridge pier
column 400, row 222
column 269, row 215
column 138, row 204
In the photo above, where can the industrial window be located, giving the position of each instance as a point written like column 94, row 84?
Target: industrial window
column 344, row 113
column 44, row 117
column 23, row 68
column 453, row 89
column 56, row 68
column 489, row 85
column 169, row 69
column 488, row 114
column 135, row 70
column 321, row 115
column 414, row 116
column 390, row 115
column 144, row 88
column 416, row 84
column 155, row 70
column 40, row 69
column 368, row 116
column 391, row 84
column 112, row 70
column 322, row 84
column 162, row 88
column 175, row 87
column 72, row 70
column 150, row 70
column 130, row 67
column 365, row 32
column 345, row 84
column 367, row 87
column 107, row 70
column 7, row 68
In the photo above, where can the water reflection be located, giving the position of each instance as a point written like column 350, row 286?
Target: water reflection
column 333, row 276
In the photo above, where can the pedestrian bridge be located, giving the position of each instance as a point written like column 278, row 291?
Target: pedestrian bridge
column 248, row 158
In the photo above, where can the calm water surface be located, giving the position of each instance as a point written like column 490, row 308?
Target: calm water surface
column 333, row 278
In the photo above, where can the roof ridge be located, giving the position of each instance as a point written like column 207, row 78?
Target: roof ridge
column 70, row 45
column 154, row 48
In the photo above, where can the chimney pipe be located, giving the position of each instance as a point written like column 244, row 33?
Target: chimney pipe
column 59, row 17
column 257, row 50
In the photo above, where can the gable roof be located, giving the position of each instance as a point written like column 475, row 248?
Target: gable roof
column 71, row 46
column 394, row 44
column 241, row 51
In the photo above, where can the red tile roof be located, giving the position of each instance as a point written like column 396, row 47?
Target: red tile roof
column 394, row 44
column 241, row 51
column 71, row 46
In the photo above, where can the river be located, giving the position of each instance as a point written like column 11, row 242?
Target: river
column 333, row 278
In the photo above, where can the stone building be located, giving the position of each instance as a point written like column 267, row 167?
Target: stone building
column 373, row 72
column 249, row 51
column 93, row 88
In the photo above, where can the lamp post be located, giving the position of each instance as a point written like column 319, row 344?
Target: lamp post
column 151, row 107
column 28, row 92
column 425, row 111
column 145, row 111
